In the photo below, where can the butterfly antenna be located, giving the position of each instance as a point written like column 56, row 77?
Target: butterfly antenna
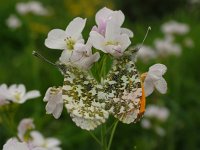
column 147, row 32
column 61, row 67
column 38, row 55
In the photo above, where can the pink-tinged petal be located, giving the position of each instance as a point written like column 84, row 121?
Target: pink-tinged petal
column 161, row 86
column 112, row 31
column 127, row 32
column 56, row 39
column 124, row 41
column 102, row 15
column 75, row 27
column 97, row 41
column 148, row 86
column 118, row 17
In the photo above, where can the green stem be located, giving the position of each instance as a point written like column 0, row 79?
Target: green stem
column 95, row 138
column 112, row 135
column 103, row 138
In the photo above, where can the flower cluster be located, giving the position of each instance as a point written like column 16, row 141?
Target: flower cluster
column 168, row 45
column 119, row 93
column 23, row 8
column 16, row 94
column 30, row 139
column 34, row 7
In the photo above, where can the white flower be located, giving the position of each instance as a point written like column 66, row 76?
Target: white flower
column 146, row 53
column 114, row 42
column 24, row 126
column 14, row 144
column 54, row 100
column 60, row 39
column 17, row 93
column 34, row 7
column 47, row 143
column 82, row 56
column 154, row 79
column 37, row 8
column 104, row 15
column 13, row 22
column 22, row 8
column 157, row 112
column 173, row 27
column 166, row 46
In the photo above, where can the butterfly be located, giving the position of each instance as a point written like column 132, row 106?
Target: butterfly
column 89, row 103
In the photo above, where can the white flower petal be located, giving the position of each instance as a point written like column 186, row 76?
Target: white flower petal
column 13, row 144
column 24, row 125
column 118, row 17
column 37, row 137
column 75, row 27
column 112, row 31
column 52, row 142
column 32, row 94
column 148, row 86
column 161, row 86
column 55, row 39
column 124, row 41
column 127, row 32
column 65, row 56
column 158, row 69
column 102, row 15
column 58, row 110
column 97, row 41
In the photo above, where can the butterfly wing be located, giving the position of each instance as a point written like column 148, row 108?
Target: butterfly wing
column 124, row 91
column 80, row 94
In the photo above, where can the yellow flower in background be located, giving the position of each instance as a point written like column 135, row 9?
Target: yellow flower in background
column 86, row 8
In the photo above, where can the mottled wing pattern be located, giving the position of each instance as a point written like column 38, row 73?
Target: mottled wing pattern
column 80, row 94
column 123, row 91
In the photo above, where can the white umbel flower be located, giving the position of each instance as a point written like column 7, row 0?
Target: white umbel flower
column 53, row 97
column 154, row 79
column 174, row 27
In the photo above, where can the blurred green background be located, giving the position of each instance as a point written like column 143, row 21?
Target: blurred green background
column 18, row 65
